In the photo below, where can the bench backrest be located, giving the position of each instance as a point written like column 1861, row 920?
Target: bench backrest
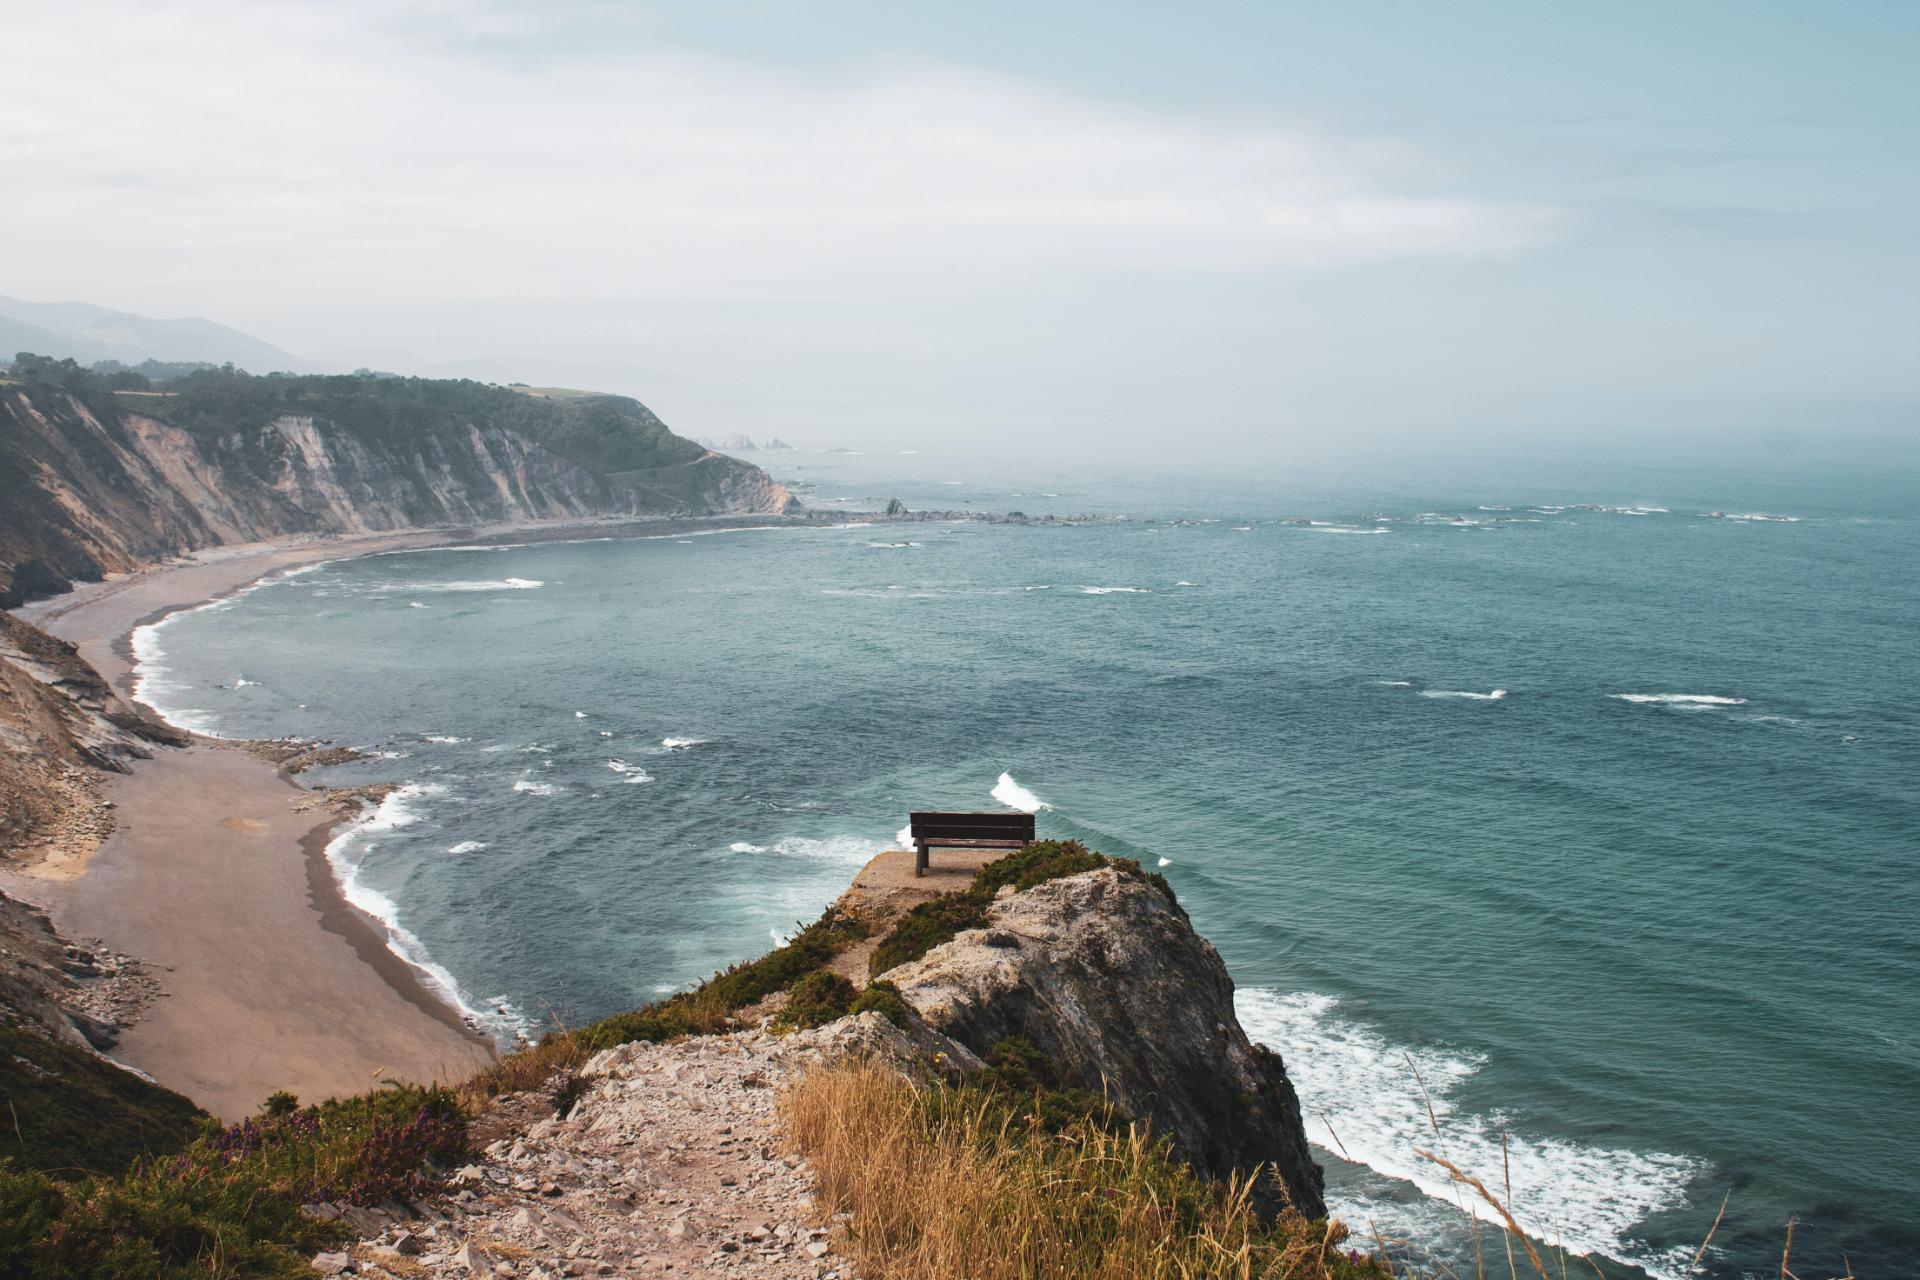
column 1015, row 829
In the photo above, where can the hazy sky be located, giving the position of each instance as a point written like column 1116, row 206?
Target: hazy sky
column 1243, row 226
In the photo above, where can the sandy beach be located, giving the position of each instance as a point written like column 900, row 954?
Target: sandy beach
column 216, row 876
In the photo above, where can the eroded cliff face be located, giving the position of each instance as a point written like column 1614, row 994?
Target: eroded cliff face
column 59, row 724
column 1103, row 972
column 91, row 484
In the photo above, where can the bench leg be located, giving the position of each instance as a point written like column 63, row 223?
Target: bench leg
column 919, row 860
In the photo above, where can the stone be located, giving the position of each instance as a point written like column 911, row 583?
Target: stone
column 474, row 1261
column 368, row 1222
column 818, row 1248
column 407, row 1244
column 332, row 1264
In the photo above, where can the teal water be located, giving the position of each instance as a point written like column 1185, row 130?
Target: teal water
column 1650, row 916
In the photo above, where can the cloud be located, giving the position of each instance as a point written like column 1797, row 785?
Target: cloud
column 331, row 152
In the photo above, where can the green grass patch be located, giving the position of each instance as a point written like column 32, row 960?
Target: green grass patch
column 68, row 1113
column 1037, row 863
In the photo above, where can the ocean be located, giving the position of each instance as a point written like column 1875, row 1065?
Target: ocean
column 1546, row 820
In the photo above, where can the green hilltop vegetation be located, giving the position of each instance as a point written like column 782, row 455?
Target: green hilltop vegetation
column 606, row 434
column 86, row 489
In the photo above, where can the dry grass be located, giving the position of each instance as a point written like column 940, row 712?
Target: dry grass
column 531, row 1068
column 947, row 1182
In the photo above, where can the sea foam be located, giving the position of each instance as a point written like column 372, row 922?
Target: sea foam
column 852, row 851
column 348, row 852
column 1014, row 796
column 1683, row 699
column 1495, row 696
column 1367, row 1104
column 422, row 588
column 152, row 678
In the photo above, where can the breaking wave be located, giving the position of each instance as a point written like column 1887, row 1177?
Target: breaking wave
column 1369, row 1106
column 1495, row 696
column 1683, row 699
column 853, row 851
column 347, row 852
column 1014, row 796
column 478, row 584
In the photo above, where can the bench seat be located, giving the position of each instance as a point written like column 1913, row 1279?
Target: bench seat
column 933, row 829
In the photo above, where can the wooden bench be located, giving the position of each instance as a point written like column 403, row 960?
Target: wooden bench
column 968, row 831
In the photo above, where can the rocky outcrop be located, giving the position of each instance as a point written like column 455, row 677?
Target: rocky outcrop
column 94, row 480
column 1105, row 974
column 59, row 724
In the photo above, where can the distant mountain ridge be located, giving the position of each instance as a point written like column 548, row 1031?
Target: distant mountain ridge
column 99, row 477
column 84, row 332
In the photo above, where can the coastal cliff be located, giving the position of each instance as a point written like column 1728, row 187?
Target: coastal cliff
column 1104, row 974
column 96, row 478
column 1043, row 1095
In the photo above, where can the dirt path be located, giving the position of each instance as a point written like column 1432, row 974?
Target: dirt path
column 666, row 1166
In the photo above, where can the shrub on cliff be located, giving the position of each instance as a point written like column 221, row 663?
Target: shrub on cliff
column 1037, row 863
column 928, row 925
column 938, row 920
column 706, row 1010
column 229, row 1204
column 817, row 999
column 883, row 998
column 75, row 1114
